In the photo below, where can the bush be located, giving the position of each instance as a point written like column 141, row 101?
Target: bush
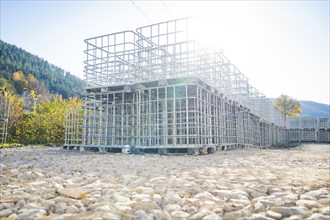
column 46, row 124
column 10, row 145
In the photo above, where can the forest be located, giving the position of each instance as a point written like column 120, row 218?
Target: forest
column 51, row 77
column 40, row 94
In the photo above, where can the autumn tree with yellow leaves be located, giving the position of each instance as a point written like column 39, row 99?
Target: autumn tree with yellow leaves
column 288, row 106
column 46, row 124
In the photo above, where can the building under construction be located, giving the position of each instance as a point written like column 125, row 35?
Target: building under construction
column 157, row 88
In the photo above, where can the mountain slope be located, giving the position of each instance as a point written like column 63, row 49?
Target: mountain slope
column 313, row 109
column 56, row 80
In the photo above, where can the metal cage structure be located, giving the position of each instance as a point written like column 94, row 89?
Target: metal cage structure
column 4, row 116
column 308, row 129
column 159, row 88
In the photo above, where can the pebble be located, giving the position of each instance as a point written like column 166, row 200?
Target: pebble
column 146, row 206
column 172, row 207
column 274, row 215
column 249, row 184
column 27, row 214
column 179, row 215
column 110, row 216
column 212, row 217
column 157, row 198
column 310, row 204
column 201, row 214
column 5, row 213
column 318, row 216
column 325, row 210
column 258, row 216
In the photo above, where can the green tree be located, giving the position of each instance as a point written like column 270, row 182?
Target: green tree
column 46, row 124
column 5, row 85
column 53, row 78
column 288, row 106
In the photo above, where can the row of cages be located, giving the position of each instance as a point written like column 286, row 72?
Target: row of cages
column 309, row 123
column 4, row 116
column 176, row 113
column 165, row 51
column 309, row 135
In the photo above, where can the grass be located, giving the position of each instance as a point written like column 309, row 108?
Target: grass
column 279, row 144
column 7, row 145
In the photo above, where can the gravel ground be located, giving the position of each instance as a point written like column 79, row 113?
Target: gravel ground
column 288, row 183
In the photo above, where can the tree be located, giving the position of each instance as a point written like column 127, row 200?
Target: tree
column 53, row 78
column 20, row 83
column 288, row 106
column 15, row 115
column 46, row 124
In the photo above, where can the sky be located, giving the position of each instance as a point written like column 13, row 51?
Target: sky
column 281, row 46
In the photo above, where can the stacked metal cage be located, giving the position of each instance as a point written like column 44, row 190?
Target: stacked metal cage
column 158, row 88
column 4, row 116
column 308, row 129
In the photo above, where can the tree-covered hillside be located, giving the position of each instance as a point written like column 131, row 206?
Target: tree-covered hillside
column 313, row 109
column 55, row 79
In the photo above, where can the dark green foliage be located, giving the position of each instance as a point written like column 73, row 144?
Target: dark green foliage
column 56, row 80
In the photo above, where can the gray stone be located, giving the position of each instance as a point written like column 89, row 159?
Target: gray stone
column 308, row 203
column 172, row 207
column 204, row 196
column 179, row 215
column 157, row 198
column 256, row 194
column 307, row 197
column 103, row 208
column 302, row 211
column 259, row 207
column 36, row 174
column 325, row 201
column 239, row 194
column 147, row 205
column 142, row 215
column 284, row 211
column 222, row 194
column 21, row 203
column 59, row 211
column 5, row 213
column 26, row 176
column 294, row 217
column 318, row 216
column 27, row 214
column 212, row 217
column 71, row 209
column 173, row 199
column 199, row 215
column 13, row 216
column 317, row 193
column 325, row 210
column 274, row 215
column 258, row 216
column 232, row 215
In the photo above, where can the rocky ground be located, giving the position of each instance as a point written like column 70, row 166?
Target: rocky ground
column 291, row 183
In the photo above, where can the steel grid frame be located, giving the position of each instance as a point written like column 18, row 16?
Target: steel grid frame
column 163, row 51
column 128, row 72
column 4, row 116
